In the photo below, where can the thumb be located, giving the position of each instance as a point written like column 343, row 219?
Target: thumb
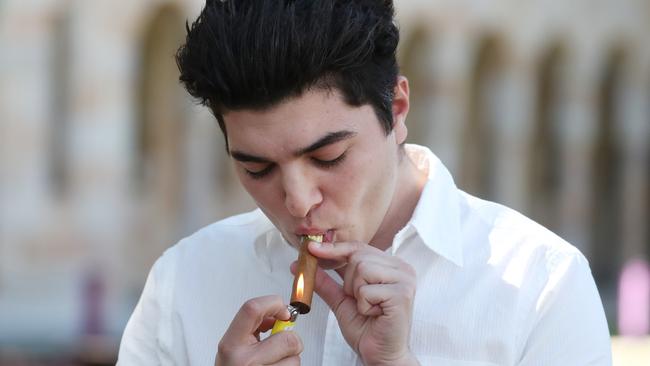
column 343, row 306
column 330, row 291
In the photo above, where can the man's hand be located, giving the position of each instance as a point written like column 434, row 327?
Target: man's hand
column 241, row 343
column 375, row 304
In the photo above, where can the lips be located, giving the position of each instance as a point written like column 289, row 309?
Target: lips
column 328, row 234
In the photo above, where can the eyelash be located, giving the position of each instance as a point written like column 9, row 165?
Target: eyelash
column 330, row 163
column 261, row 174
column 327, row 164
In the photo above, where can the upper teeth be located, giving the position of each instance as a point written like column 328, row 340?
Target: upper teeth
column 318, row 238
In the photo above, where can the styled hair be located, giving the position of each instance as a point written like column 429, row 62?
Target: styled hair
column 254, row 54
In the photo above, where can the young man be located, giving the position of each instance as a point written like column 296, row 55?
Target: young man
column 308, row 96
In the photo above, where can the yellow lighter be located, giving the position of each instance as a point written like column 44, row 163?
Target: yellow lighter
column 282, row 325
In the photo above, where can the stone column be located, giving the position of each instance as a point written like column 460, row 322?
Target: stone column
column 514, row 126
column 576, row 144
column 203, row 150
column 635, row 131
column 448, row 103
column 102, row 124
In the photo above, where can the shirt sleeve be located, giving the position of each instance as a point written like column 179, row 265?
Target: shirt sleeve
column 569, row 322
column 141, row 338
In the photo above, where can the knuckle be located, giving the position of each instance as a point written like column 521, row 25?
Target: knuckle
column 292, row 342
column 226, row 349
column 408, row 269
column 362, row 292
column 355, row 257
column 362, row 267
column 358, row 285
column 362, row 306
column 412, row 271
column 408, row 291
column 358, row 246
column 223, row 347
column 252, row 308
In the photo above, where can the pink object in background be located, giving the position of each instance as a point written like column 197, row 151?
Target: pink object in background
column 634, row 299
column 93, row 300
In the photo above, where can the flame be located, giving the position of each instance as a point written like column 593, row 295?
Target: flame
column 300, row 286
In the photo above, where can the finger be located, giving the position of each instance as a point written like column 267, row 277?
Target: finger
column 277, row 347
column 370, row 299
column 330, row 291
column 340, row 251
column 348, row 279
column 265, row 326
column 343, row 306
column 368, row 273
column 367, row 309
column 362, row 260
column 252, row 313
column 392, row 299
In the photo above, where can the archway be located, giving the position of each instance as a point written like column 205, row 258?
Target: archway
column 545, row 156
column 59, row 127
column 417, row 65
column 158, row 175
column 486, row 97
column 607, row 166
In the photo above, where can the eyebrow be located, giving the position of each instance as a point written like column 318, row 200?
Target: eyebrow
column 247, row 158
column 330, row 138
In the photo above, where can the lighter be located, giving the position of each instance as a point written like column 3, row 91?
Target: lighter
column 282, row 325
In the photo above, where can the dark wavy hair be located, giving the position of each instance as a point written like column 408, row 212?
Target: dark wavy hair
column 254, row 54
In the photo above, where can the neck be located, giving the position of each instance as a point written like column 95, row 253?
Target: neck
column 407, row 193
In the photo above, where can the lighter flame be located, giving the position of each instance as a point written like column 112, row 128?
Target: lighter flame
column 300, row 287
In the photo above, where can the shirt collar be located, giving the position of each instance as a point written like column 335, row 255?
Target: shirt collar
column 436, row 218
column 271, row 249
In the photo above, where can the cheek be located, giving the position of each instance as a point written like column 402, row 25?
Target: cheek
column 378, row 183
column 359, row 184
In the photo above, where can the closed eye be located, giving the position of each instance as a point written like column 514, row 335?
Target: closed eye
column 330, row 163
column 259, row 174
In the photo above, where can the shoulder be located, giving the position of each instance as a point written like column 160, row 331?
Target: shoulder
column 543, row 281
column 231, row 238
column 519, row 246
column 235, row 231
column 214, row 251
column 242, row 226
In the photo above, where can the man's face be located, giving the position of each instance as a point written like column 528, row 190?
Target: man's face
column 316, row 165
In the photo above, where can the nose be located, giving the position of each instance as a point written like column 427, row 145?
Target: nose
column 301, row 193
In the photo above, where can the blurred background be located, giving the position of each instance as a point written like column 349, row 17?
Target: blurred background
column 543, row 105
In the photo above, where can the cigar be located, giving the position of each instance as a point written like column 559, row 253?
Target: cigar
column 303, row 283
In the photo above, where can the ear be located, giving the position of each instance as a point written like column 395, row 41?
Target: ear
column 400, row 109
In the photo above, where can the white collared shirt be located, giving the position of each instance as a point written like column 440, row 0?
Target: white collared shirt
column 493, row 288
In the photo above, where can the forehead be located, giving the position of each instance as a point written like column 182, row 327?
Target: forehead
column 296, row 122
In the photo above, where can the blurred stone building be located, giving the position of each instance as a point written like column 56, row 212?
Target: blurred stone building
column 105, row 161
